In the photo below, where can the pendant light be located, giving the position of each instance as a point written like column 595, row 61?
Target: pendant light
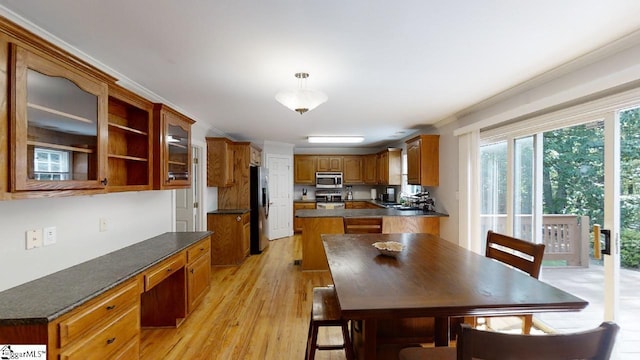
column 301, row 99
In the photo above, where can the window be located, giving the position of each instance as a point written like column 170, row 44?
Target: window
column 51, row 164
column 406, row 188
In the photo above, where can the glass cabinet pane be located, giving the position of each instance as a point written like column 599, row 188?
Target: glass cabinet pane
column 178, row 144
column 62, row 129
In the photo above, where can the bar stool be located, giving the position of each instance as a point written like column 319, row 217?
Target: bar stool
column 326, row 312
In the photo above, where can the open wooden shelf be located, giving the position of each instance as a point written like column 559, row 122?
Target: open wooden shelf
column 130, row 147
column 181, row 163
column 59, row 113
column 127, row 129
column 125, row 157
column 60, row 147
column 178, row 145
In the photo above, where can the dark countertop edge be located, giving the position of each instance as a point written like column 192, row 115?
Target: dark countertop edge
column 45, row 319
column 229, row 211
column 365, row 213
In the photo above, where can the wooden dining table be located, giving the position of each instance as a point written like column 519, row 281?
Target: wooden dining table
column 430, row 277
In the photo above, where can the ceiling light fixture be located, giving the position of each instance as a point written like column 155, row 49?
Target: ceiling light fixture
column 335, row 139
column 301, row 99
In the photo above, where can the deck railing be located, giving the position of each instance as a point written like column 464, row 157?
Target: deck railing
column 566, row 237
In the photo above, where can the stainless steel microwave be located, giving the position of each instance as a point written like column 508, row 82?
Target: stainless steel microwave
column 328, row 180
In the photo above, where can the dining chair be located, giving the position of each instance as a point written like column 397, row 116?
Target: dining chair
column 595, row 344
column 325, row 311
column 522, row 255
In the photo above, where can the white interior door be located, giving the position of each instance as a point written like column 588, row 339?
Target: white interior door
column 280, row 193
column 187, row 200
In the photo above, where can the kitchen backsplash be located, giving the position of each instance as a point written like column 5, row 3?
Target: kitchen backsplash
column 360, row 192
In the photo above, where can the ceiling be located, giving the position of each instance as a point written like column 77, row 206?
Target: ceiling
column 389, row 68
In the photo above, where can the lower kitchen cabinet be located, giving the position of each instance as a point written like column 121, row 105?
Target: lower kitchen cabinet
column 198, row 273
column 106, row 327
column 230, row 242
column 149, row 284
column 360, row 205
column 297, row 223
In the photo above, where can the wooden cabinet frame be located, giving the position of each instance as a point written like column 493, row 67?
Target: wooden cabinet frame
column 423, row 160
column 164, row 117
column 130, row 141
column 23, row 60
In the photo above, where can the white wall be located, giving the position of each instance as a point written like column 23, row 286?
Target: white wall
column 131, row 217
column 445, row 194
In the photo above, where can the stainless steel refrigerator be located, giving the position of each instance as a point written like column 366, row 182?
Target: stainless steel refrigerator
column 259, row 185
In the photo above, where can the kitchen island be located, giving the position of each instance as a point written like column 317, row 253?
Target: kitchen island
column 326, row 221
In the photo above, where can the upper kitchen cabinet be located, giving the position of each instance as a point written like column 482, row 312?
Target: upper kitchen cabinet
column 370, row 169
column 130, row 141
column 256, row 156
column 305, row 169
column 329, row 163
column 353, row 169
column 58, row 125
column 390, row 167
column 219, row 162
column 172, row 148
column 423, row 160
column 238, row 196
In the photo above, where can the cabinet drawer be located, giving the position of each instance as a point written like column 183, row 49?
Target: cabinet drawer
column 162, row 271
column 113, row 337
column 130, row 351
column 112, row 304
column 198, row 250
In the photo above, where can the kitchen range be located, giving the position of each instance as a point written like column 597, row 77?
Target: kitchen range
column 329, row 195
column 329, row 199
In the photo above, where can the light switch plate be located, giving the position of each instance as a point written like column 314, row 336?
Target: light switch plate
column 50, row 236
column 104, row 226
column 34, row 239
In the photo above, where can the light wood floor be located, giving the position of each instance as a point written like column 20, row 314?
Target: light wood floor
column 259, row 310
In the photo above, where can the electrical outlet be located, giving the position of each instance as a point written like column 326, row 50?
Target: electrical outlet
column 34, row 239
column 103, row 225
column 50, row 236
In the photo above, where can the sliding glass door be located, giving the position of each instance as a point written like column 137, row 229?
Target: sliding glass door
column 552, row 186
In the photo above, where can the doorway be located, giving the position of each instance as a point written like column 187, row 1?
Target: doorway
column 280, row 193
column 551, row 184
column 187, row 201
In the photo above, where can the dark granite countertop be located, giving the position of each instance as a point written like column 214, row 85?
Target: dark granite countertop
column 364, row 213
column 228, row 211
column 47, row 298
column 305, row 201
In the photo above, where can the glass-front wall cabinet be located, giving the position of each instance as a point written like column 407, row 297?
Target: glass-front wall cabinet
column 173, row 163
column 178, row 146
column 58, row 126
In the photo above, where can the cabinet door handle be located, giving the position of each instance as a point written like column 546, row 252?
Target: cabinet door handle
column 238, row 218
column 192, row 271
column 104, row 181
column 169, row 270
column 111, row 341
column 111, row 307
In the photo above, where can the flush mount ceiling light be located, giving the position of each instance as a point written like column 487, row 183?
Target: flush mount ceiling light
column 335, row 139
column 301, row 99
